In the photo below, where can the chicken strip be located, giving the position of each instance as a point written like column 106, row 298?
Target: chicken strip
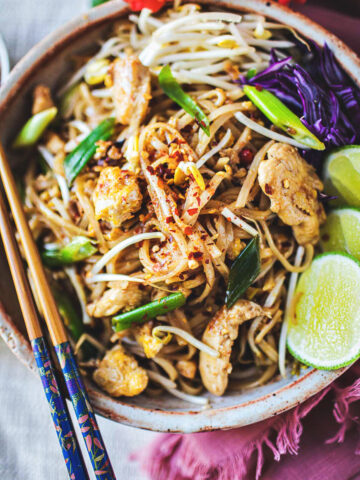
column 123, row 296
column 220, row 334
column 119, row 374
column 116, row 196
column 41, row 99
column 292, row 186
column 132, row 90
column 150, row 344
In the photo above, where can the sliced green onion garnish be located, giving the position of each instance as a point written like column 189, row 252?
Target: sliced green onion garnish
column 282, row 117
column 250, row 73
column 150, row 310
column 95, row 3
column 173, row 90
column 77, row 250
column 33, row 129
column 80, row 156
column 243, row 272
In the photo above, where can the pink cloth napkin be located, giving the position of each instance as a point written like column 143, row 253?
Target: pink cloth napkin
column 318, row 440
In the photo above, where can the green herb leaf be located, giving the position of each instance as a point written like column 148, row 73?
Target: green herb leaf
column 34, row 128
column 95, row 3
column 282, row 117
column 80, row 156
column 243, row 272
column 77, row 250
column 150, row 310
column 173, row 90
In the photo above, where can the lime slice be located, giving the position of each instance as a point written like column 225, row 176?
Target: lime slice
column 324, row 331
column 342, row 175
column 342, row 231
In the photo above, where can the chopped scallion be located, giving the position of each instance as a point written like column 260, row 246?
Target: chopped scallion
column 282, row 117
column 80, row 156
column 146, row 312
column 243, row 272
column 173, row 90
column 33, row 129
column 77, row 250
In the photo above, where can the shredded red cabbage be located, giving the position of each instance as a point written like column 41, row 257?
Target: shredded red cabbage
column 319, row 92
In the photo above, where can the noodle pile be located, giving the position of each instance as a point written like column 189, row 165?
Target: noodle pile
column 201, row 199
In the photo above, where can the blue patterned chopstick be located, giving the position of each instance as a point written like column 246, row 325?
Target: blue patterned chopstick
column 61, row 419
column 84, row 413
column 60, row 415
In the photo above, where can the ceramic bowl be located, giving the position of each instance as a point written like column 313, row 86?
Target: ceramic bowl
column 48, row 62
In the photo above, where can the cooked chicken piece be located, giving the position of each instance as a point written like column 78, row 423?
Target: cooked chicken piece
column 54, row 143
column 186, row 368
column 123, row 296
column 119, row 374
column 150, row 344
column 220, row 334
column 41, row 99
column 116, row 196
column 292, row 186
column 132, row 90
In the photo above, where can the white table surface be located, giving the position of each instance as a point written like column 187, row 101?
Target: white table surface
column 28, row 443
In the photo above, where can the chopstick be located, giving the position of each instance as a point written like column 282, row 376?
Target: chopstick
column 60, row 415
column 86, row 418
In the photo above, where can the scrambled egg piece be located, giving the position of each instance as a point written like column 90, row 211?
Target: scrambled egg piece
column 123, row 296
column 292, row 186
column 150, row 344
column 119, row 374
column 132, row 90
column 41, row 99
column 220, row 334
column 116, row 196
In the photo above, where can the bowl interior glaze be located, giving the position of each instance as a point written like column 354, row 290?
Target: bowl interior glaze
column 49, row 62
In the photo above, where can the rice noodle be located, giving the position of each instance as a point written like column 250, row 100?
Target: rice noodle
column 268, row 133
column 291, row 289
column 229, row 215
column 187, row 337
column 121, row 246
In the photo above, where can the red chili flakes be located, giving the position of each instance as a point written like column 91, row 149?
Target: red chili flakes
column 207, row 261
column 259, row 88
column 168, row 219
column 188, row 230
column 198, row 200
column 268, row 189
column 246, row 156
column 176, row 211
column 192, row 211
column 150, row 169
column 196, row 255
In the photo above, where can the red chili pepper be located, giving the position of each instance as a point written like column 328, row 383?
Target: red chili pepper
column 153, row 5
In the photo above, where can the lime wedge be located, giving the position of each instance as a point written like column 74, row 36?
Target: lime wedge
column 324, row 331
column 342, row 231
column 342, row 175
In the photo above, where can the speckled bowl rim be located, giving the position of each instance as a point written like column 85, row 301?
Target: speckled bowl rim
column 244, row 413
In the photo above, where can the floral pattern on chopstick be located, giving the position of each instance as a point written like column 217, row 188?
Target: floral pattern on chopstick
column 59, row 413
column 84, row 413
